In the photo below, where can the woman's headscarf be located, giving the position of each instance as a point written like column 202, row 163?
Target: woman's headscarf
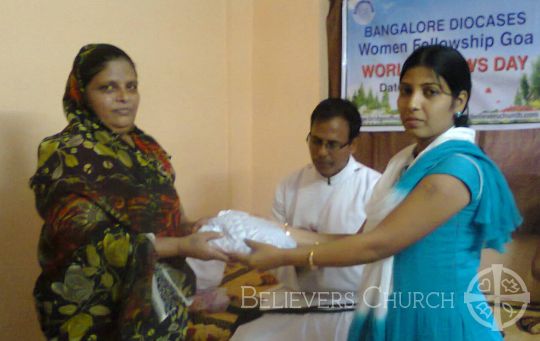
column 99, row 195
column 90, row 60
column 131, row 184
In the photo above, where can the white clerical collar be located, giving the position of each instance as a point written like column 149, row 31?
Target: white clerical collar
column 350, row 168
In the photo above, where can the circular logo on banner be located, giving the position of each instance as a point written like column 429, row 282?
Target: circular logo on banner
column 363, row 12
column 505, row 288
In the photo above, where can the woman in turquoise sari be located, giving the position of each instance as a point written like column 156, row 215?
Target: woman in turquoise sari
column 439, row 202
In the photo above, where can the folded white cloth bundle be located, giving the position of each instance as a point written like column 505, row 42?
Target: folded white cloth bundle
column 236, row 226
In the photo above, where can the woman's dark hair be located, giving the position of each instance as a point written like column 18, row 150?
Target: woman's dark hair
column 449, row 64
column 96, row 59
column 338, row 107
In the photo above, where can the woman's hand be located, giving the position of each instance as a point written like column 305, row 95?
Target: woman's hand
column 188, row 227
column 194, row 245
column 197, row 245
column 263, row 256
column 199, row 223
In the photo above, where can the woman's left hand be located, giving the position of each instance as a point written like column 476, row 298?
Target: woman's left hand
column 263, row 256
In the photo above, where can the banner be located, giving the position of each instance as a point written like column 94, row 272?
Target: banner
column 499, row 38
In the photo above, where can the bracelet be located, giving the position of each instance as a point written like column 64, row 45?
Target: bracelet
column 151, row 237
column 311, row 264
column 286, row 228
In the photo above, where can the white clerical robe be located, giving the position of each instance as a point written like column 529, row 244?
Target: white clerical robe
column 328, row 205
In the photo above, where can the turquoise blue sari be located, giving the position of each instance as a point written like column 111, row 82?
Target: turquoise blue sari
column 495, row 217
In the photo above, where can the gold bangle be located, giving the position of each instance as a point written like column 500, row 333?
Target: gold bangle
column 311, row 264
column 286, row 228
column 152, row 238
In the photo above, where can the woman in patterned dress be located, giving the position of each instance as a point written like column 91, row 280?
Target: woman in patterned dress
column 114, row 238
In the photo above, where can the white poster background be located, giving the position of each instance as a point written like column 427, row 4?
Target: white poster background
column 500, row 39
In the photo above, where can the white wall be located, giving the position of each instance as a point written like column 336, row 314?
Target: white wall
column 289, row 80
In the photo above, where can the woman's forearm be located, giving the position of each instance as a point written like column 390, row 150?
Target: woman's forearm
column 195, row 245
column 167, row 247
column 305, row 237
column 425, row 208
column 354, row 251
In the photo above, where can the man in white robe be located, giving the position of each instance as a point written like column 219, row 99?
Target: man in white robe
column 326, row 197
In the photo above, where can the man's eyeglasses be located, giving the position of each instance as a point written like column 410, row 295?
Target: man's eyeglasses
column 331, row 146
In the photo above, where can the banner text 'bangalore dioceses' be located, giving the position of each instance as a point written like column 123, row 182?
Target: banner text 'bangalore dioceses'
column 468, row 41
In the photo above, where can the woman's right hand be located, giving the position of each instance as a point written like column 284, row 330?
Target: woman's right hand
column 197, row 245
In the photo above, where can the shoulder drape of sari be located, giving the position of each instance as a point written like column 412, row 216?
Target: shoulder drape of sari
column 98, row 198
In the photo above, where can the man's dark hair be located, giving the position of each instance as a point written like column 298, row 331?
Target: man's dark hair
column 338, row 107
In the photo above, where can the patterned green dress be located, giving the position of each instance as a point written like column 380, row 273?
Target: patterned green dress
column 99, row 197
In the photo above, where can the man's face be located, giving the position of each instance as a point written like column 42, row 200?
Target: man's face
column 329, row 145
